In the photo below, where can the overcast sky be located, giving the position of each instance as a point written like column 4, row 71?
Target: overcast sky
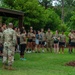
column 55, row 2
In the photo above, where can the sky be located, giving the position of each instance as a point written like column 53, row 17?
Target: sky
column 55, row 2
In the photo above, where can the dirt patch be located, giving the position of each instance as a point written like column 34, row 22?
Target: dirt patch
column 72, row 63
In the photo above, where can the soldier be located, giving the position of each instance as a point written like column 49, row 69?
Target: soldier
column 49, row 40
column 9, row 40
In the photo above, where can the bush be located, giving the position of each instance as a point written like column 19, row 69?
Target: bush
column 62, row 27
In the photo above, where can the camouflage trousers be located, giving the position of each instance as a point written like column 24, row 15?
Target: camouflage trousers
column 8, row 55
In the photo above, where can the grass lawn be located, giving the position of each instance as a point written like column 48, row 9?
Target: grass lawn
column 42, row 64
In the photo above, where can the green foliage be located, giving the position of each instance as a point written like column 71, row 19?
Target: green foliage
column 53, row 20
column 57, row 10
column 8, row 3
column 71, row 23
column 63, row 27
column 43, row 15
column 15, row 23
column 69, row 7
column 35, row 14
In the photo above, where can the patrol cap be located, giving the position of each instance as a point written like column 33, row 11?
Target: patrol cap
column 10, row 24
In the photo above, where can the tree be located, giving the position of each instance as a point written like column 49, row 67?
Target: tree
column 53, row 20
column 8, row 3
column 72, row 21
column 35, row 14
column 62, row 15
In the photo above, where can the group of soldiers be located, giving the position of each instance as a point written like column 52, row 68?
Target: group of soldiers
column 12, row 39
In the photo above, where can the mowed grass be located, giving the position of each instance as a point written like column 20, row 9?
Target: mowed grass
column 42, row 64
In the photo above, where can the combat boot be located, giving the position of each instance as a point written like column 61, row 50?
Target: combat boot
column 10, row 68
column 4, row 66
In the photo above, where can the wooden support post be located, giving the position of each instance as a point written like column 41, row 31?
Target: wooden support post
column 0, row 21
column 21, row 22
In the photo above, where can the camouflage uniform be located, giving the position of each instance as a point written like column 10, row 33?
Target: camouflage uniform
column 9, row 40
column 49, row 40
column 1, row 37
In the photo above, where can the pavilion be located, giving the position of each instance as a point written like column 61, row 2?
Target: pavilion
column 14, row 14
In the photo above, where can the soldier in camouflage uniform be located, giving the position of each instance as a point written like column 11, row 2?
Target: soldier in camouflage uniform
column 9, row 41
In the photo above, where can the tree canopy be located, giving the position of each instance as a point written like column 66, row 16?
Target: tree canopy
column 42, row 14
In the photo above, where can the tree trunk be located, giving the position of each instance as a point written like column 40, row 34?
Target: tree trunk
column 46, row 4
column 62, row 14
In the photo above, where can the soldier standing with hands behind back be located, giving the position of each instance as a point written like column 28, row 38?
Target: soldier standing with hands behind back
column 9, row 41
